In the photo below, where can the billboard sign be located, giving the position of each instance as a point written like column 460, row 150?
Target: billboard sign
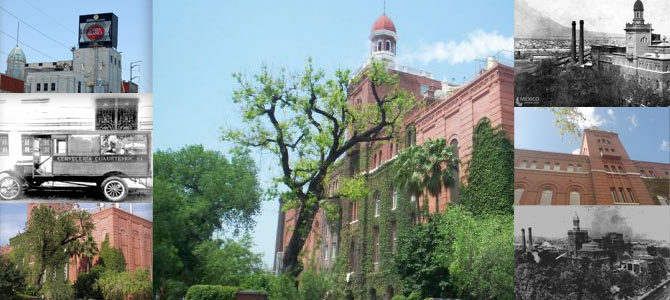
column 98, row 30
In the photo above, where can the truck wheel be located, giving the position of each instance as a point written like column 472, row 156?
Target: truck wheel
column 114, row 188
column 10, row 188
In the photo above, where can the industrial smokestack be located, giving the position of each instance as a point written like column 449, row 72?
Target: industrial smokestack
column 530, row 238
column 581, row 42
column 573, row 47
column 523, row 238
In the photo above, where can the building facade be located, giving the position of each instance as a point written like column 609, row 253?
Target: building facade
column 644, row 58
column 363, row 240
column 602, row 174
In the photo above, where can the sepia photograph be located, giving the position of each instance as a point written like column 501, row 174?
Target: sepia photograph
column 76, row 147
column 595, row 53
column 591, row 252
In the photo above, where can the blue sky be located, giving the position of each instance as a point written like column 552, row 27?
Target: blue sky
column 13, row 216
column 59, row 20
column 198, row 45
column 644, row 132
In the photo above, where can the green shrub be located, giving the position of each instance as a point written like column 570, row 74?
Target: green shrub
column 283, row 288
column 211, row 292
column 399, row 297
column 84, row 288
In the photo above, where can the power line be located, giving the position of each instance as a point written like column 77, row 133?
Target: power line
column 31, row 26
column 33, row 48
column 50, row 17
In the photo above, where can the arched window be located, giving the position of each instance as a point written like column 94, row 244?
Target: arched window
column 377, row 204
column 575, row 198
column 533, row 165
column 651, row 174
column 607, row 168
column 571, row 168
column 524, row 163
column 662, row 200
column 394, row 197
column 643, row 173
column 557, row 167
column 579, row 168
column 546, row 197
column 547, row 166
column 388, row 45
column 518, row 193
column 379, row 45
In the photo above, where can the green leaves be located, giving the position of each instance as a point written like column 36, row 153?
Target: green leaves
column 428, row 166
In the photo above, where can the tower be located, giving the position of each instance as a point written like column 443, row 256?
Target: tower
column 638, row 34
column 383, row 38
column 575, row 222
column 16, row 63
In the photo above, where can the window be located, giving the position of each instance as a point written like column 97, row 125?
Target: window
column 546, row 197
column 557, row 167
column 4, row 145
column 607, row 150
column 651, row 174
column 374, row 160
column 630, row 195
column 533, row 165
column 377, row 204
column 394, row 198
column 518, row 193
column 379, row 45
column 53, row 86
column 523, row 164
column 614, row 198
column 123, row 144
column 571, row 168
column 116, row 114
column 78, row 86
column 574, row 198
column 579, row 168
column 643, row 173
column 547, row 166
column 30, row 141
column 375, row 253
column 38, row 87
column 623, row 196
column 662, row 200
column 61, row 146
column 45, row 86
column 607, row 168
column 620, row 170
column 608, row 141
column 388, row 45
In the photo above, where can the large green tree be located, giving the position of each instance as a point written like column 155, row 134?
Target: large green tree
column 11, row 277
column 306, row 121
column 48, row 236
column 197, row 193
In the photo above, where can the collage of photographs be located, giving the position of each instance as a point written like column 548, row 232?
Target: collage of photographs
column 335, row 150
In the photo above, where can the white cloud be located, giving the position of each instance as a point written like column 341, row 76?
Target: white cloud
column 590, row 118
column 576, row 151
column 610, row 113
column 478, row 44
column 633, row 122
column 665, row 146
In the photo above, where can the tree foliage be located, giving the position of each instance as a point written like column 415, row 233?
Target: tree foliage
column 198, row 193
column 211, row 292
column 306, row 121
column 490, row 172
column 227, row 262
column 11, row 277
column 48, row 237
column 120, row 285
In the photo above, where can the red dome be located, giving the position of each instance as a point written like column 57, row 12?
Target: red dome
column 383, row 23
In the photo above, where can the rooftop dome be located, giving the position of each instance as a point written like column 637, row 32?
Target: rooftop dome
column 638, row 5
column 385, row 23
column 17, row 54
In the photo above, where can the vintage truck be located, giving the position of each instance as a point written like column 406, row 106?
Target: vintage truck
column 106, row 158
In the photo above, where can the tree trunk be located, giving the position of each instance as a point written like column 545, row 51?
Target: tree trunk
column 38, row 280
column 303, row 225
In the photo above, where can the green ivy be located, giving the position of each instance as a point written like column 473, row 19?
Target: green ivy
column 490, row 172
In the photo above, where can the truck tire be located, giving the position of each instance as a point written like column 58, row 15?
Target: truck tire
column 10, row 188
column 114, row 189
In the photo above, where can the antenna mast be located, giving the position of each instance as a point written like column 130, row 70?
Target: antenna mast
column 384, row 6
column 17, row 33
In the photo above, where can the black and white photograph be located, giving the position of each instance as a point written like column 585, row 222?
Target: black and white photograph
column 592, row 53
column 592, row 252
column 76, row 147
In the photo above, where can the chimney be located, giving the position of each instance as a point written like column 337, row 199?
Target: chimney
column 530, row 239
column 523, row 238
column 490, row 62
column 573, row 47
column 581, row 42
column 131, row 208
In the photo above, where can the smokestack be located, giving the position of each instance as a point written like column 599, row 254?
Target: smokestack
column 530, row 238
column 523, row 238
column 573, row 47
column 581, row 42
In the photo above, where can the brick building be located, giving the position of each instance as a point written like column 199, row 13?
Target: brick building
column 130, row 233
column 644, row 58
column 602, row 174
column 366, row 232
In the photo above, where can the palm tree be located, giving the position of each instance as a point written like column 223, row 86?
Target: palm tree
column 426, row 168
column 89, row 250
